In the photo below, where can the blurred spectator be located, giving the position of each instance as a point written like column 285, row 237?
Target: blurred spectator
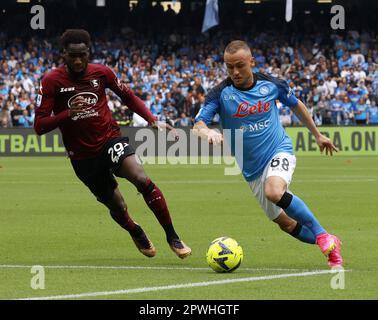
column 173, row 71
column 5, row 116
column 327, row 118
column 183, row 121
column 372, row 114
column 25, row 120
column 285, row 117
column 331, row 85
column 337, row 110
column 348, row 115
column 16, row 114
column 360, row 112
column 322, row 106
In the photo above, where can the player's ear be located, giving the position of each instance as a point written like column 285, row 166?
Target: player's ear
column 252, row 61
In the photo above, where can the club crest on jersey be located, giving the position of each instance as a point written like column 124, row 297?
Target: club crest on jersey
column 264, row 90
column 95, row 83
column 245, row 109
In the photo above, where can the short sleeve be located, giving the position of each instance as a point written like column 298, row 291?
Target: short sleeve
column 286, row 94
column 211, row 106
column 45, row 97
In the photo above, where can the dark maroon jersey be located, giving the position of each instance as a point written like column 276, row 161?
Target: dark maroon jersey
column 84, row 135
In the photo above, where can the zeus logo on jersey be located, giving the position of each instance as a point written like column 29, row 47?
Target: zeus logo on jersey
column 244, row 109
column 67, row 89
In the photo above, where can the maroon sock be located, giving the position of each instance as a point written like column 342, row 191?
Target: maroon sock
column 156, row 202
column 124, row 220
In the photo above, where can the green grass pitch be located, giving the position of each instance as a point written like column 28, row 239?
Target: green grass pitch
column 48, row 218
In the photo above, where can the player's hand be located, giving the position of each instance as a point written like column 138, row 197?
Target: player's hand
column 325, row 143
column 78, row 105
column 164, row 126
column 214, row 137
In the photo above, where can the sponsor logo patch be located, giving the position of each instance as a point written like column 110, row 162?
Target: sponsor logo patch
column 90, row 99
column 245, row 109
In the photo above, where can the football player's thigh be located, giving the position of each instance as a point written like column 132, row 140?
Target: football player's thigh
column 282, row 165
column 97, row 177
column 103, row 185
column 257, row 187
column 131, row 169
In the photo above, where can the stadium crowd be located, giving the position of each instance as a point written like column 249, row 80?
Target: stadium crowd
column 335, row 75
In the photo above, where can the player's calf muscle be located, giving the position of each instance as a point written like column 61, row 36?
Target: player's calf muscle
column 286, row 224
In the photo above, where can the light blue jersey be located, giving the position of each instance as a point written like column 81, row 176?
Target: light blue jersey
column 254, row 111
column 373, row 115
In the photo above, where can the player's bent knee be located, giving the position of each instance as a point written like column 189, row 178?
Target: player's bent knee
column 144, row 185
column 139, row 181
column 273, row 194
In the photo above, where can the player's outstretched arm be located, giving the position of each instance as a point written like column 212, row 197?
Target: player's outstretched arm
column 127, row 96
column 44, row 122
column 165, row 126
column 323, row 142
column 203, row 131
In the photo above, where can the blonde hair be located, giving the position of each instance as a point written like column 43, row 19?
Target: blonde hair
column 237, row 45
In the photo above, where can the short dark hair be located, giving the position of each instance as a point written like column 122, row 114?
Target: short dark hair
column 75, row 36
column 236, row 45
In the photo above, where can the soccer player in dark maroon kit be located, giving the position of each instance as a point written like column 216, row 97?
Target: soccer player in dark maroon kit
column 72, row 97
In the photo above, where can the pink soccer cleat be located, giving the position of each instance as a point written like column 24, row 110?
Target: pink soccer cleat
column 330, row 247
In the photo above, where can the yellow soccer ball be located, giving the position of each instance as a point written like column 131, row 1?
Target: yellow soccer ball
column 224, row 255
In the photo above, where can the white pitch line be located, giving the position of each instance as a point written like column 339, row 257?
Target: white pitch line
column 199, row 181
column 11, row 266
column 179, row 286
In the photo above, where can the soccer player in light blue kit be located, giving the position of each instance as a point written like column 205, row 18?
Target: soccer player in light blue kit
column 246, row 100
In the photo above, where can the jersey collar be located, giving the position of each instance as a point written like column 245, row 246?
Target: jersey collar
column 250, row 87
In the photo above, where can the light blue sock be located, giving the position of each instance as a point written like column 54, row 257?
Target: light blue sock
column 297, row 210
column 303, row 234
